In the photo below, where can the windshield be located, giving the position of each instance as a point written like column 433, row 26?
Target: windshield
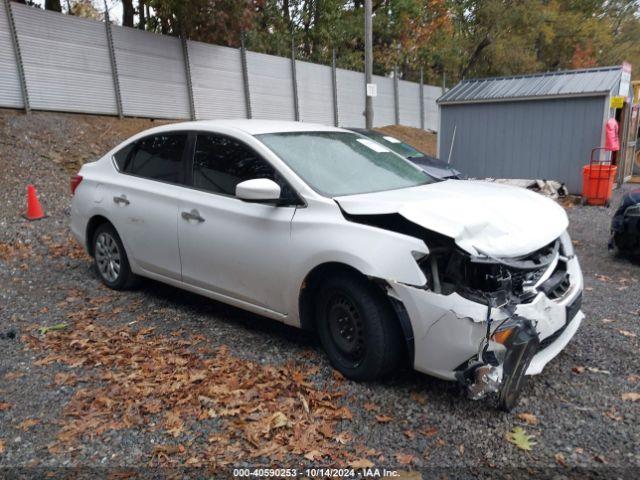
column 343, row 163
column 398, row 146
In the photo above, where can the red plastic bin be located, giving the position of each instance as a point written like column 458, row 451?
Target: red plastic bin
column 597, row 183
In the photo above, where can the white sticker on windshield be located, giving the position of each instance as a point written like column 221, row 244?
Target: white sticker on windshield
column 391, row 139
column 376, row 147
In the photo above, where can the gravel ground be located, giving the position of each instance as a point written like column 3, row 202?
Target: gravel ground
column 575, row 410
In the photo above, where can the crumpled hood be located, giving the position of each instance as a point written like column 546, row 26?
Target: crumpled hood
column 498, row 220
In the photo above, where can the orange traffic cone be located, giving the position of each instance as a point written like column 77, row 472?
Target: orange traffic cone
column 34, row 210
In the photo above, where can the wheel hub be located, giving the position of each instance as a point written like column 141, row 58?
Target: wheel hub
column 107, row 256
column 345, row 327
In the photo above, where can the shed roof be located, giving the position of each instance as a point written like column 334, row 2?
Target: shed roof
column 568, row 83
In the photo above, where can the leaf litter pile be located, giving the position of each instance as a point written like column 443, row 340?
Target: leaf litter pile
column 169, row 384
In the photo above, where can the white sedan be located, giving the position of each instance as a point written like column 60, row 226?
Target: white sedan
column 327, row 230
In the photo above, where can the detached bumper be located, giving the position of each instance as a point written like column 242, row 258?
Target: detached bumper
column 449, row 331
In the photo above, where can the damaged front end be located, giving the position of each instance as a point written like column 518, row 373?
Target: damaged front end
column 483, row 320
column 510, row 343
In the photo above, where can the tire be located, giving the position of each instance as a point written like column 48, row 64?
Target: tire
column 358, row 328
column 111, row 260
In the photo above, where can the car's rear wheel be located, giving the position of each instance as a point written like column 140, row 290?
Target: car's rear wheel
column 358, row 328
column 111, row 259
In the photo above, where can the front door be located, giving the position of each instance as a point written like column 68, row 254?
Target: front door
column 228, row 246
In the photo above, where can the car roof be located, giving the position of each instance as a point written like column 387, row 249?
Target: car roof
column 252, row 127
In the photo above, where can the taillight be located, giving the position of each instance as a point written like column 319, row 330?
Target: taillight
column 75, row 181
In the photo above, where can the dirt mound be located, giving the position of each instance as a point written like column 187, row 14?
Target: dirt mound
column 422, row 140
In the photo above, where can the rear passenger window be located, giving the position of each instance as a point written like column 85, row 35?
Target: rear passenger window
column 122, row 155
column 158, row 157
column 220, row 163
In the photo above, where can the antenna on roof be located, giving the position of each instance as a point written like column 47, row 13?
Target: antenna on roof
column 453, row 139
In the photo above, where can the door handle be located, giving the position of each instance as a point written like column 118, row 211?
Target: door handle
column 192, row 215
column 121, row 199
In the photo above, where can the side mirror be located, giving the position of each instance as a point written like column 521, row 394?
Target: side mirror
column 258, row 190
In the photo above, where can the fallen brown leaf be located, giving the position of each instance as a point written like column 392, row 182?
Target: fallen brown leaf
column 404, row 458
column 383, row 418
column 5, row 406
column 627, row 333
column 28, row 423
column 631, row 396
column 2, row 447
column 369, row 407
column 410, row 434
column 528, row 418
column 343, row 438
column 360, row 463
column 600, row 459
column 613, row 414
column 313, row 455
column 428, row 432
column 560, row 460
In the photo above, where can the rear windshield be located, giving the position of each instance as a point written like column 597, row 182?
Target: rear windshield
column 343, row 163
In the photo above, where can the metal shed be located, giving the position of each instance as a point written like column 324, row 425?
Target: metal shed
column 530, row 126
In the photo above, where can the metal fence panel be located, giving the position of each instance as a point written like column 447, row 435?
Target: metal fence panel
column 216, row 76
column 350, row 98
column 66, row 61
column 316, row 92
column 431, row 116
column 152, row 74
column 10, row 91
column 383, row 103
column 409, row 100
column 67, row 65
column 271, row 86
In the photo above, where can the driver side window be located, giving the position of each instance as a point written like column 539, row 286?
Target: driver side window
column 220, row 163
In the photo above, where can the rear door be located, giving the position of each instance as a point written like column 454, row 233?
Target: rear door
column 229, row 246
column 144, row 202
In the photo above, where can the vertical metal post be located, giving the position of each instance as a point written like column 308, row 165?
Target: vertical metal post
column 396, row 95
column 18, row 54
column 187, row 71
column 421, row 97
column 368, row 61
column 334, row 84
column 112, row 59
column 294, row 80
column 245, row 76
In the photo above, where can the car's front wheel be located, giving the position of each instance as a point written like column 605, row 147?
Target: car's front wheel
column 111, row 259
column 358, row 328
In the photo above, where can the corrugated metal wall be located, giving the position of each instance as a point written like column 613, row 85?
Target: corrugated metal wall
column 384, row 104
column 218, row 91
column 431, row 114
column 546, row 139
column 152, row 75
column 315, row 92
column 67, row 65
column 409, row 102
column 271, row 86
column 350, row 98
column 10, row 92
column 66, row 61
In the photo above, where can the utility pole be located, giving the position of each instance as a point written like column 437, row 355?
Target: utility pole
column 368, row 62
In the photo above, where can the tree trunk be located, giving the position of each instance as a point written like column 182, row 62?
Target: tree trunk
column 127, row 13
column 142, row 23
column 53, row 5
